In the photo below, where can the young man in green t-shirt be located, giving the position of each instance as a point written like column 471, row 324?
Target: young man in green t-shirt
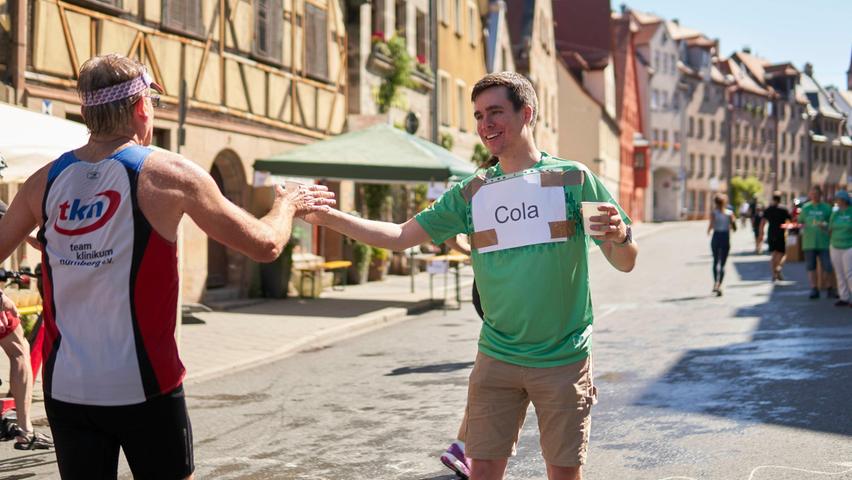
column 535, row 341
column 815, row 215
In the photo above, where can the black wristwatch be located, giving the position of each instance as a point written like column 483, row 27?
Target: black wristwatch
column 628, row 239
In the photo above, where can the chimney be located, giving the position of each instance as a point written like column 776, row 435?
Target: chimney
column 747, row 49
column 809, row 69
column 623, row 8
column 849, row 76
column 676, row 21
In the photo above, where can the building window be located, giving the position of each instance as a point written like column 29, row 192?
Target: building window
column 712, row 130
column 700, row 165
column 655, row 99
column 422, row 34
column 442, row 11
column 783, row 170
column 737, row 162
column 459, row 12
column 712, row 166
column 316, row 42
column 183, row 16
column 691, row 164
column 444, row 91
column 691, row 132
column 471, row 20
column 700, row 128
column 401, row 18
column 111, row 4
column 656, row 143
column 378, row 20
column 461, row 90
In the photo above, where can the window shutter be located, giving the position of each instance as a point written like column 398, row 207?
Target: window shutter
column 173, row 13
column 261, row 27
column 183, row 15
column 276, row 30
column 316, row 36
column 194, row 21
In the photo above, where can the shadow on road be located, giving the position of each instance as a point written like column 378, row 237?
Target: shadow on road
column 17, row 464
column 795, row 371
column 753, row 268
column 437, row 368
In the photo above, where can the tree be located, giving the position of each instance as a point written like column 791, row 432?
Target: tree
column 744, row 189
column 480, row 156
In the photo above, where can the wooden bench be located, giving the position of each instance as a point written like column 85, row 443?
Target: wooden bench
column 337, row 267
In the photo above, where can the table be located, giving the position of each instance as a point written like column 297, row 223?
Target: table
column 336, row 267
column 453, row 259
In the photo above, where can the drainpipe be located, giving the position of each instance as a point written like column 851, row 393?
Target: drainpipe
column 19, row 48
column 729, row 127
column 775, row 144
column 433, row 59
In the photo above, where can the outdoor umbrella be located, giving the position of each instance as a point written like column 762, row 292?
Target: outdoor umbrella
column 380, row 153
column 30, row 140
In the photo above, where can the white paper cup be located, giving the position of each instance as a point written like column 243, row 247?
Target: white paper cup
column 590, row 209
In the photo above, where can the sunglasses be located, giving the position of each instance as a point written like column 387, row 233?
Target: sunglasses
column 155, row 99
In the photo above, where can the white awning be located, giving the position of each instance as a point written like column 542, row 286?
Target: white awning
column 30, row 140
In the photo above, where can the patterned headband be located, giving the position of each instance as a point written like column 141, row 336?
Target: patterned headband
column 120, row 91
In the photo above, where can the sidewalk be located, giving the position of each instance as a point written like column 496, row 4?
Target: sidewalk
column 247, row 336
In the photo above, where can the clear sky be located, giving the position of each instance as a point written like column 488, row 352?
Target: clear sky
column 816, row 31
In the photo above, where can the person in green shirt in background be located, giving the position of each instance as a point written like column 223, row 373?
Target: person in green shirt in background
column 840, row 231
column 815, row 215
column 535, row 341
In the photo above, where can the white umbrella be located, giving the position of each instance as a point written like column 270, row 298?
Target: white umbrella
column 29, row 140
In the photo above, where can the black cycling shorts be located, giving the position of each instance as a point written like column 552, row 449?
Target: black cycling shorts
column 156, row 437
column 777, row 243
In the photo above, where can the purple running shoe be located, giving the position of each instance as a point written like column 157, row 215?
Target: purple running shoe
column 455, row 460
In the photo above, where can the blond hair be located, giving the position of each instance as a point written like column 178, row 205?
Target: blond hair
column 105, row 71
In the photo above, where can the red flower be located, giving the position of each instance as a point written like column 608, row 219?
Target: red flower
column 378, row 36
column 421, row 59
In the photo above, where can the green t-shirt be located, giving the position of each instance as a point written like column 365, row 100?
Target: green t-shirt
column 815, row 218
column 841, row 228
column 538, row 309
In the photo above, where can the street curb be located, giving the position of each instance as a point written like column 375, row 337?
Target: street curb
column 358, row 326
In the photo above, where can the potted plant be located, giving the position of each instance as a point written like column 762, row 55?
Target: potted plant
column 379, row 263
column 360, row 255
column 275, row 275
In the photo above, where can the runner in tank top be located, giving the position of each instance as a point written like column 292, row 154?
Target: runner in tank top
column 108, row 214
column 721, row 224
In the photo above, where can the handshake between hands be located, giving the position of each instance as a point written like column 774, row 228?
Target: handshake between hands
column 306, row 199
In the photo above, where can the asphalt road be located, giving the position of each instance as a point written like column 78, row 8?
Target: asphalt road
column 755, row 385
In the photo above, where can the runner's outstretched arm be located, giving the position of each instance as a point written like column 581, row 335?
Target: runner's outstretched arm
column 260, row 239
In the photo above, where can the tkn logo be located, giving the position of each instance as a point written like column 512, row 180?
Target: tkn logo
column 75, row 212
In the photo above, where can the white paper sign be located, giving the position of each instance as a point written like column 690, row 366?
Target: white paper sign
column 519, row 210
column 438, row 266
column 435, row 191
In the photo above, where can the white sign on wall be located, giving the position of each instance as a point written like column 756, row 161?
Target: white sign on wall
column 519, row 211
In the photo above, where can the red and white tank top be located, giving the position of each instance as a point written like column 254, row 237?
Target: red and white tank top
column 110, row 286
